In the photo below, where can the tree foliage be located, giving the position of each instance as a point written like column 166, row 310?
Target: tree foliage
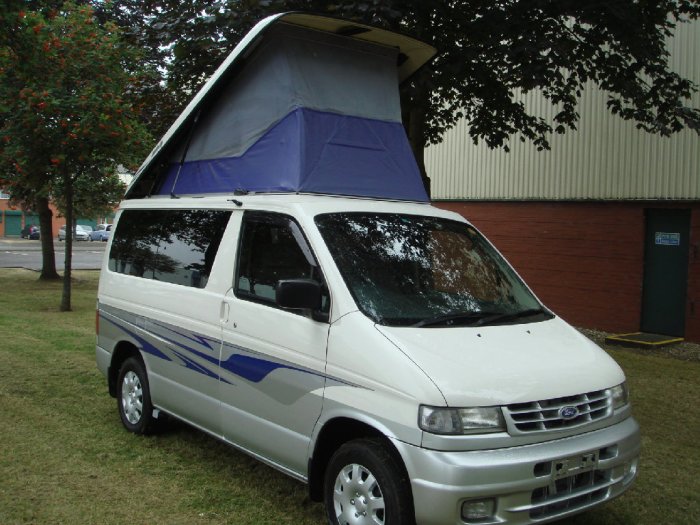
column 92, row 196
column 67, row 110
column 490, row 52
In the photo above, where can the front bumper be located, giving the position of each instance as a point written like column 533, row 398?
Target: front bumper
column 534, row 483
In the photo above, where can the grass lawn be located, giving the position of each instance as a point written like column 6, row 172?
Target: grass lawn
column 65, row 458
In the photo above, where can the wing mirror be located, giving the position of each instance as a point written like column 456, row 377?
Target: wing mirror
column 304, row 294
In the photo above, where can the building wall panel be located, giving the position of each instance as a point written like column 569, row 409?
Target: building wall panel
column 605, row 158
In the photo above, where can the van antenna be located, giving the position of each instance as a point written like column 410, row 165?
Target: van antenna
column 184, row 154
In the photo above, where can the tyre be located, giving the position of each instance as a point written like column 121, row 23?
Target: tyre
column 365, row 484
column 134, row 398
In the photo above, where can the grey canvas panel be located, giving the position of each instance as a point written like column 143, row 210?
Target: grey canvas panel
column 297, row 68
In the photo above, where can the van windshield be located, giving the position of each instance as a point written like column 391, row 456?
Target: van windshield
column 410, row 270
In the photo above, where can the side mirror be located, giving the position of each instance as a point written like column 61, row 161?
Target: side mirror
column 302, row 294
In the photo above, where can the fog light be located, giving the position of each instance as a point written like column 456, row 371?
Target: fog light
column 478, row 510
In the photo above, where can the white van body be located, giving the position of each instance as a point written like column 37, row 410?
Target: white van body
column 292, row 387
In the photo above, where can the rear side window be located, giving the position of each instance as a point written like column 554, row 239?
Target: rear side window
column 174, row 246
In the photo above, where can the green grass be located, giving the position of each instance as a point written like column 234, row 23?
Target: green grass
column 65, row 458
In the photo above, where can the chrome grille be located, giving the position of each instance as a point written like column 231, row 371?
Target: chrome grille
column 546, row 415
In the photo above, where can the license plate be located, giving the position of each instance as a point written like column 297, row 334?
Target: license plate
column 563, row 468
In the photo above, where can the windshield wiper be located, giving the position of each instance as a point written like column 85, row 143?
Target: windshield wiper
column 462, row 318
column 510, row 316
column 480, row 318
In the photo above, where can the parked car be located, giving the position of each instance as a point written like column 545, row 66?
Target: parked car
column 30, row 232
column 100, row 233
column 80, row 233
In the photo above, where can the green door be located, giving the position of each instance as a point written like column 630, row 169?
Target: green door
column 665, row 271
column 13, row 223
column 87, row 222
column 31, row 218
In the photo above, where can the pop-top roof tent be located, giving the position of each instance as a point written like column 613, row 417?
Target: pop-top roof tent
column 304, row 104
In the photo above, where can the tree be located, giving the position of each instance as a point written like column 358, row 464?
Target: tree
column 490, row 50
column 93, row 196
column 66, row 118
column 159, row 107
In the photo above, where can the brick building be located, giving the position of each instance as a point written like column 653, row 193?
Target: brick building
column 605, row 227
column 13, row 219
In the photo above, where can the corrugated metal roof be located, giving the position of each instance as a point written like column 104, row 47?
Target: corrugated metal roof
column 606, row 158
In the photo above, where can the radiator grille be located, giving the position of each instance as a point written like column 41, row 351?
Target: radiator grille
column 560, row 413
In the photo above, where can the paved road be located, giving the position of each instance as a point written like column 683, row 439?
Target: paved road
column 23, row 253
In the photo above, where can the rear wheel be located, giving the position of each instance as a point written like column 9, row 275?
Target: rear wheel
column 366, row 485
column 134, row 398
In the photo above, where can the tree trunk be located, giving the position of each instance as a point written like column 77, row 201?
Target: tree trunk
column 65, row 298
column 414, row 112
column 415, row 128
column 48, row 255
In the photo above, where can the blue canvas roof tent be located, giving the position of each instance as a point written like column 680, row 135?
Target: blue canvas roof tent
column 304, row 104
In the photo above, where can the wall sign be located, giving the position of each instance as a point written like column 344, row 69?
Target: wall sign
column 667, row 239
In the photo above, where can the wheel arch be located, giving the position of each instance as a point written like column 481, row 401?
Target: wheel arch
column 122, row 351
column 334, row 433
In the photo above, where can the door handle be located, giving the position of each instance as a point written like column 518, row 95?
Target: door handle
column 224, row 312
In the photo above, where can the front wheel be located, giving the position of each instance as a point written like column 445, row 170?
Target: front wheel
column 365, row 484
column 134, row 398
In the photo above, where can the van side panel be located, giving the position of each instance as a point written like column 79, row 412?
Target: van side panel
column 272, row 381
column 176, row 327
column 378, row 384
column 181, row 353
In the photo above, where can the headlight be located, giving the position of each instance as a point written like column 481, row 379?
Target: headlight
column 620, row 395
column 456, row 421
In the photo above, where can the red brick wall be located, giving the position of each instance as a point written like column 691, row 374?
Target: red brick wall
column 57, row 221
column 584, row 260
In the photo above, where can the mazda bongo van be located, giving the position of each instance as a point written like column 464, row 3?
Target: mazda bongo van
column 277, row 278
column 382, row 352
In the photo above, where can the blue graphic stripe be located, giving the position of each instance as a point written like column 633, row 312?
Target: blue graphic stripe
column 193, row 365
column 254, row 369
column 191, row 336
column 145, row 345
column 214, row 359
column 250, row 368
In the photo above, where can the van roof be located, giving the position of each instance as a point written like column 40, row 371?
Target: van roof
column 411, row 55
column 291, row 203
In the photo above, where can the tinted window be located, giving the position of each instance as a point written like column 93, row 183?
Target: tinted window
column 272, row 249
column 175, row 246
column 424, row 271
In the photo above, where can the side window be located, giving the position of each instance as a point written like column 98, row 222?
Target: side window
column 272, row 248
column 175, row 246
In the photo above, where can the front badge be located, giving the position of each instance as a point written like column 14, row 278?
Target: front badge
column 568, row 412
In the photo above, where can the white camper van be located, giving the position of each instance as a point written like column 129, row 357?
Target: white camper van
column 338, row 327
